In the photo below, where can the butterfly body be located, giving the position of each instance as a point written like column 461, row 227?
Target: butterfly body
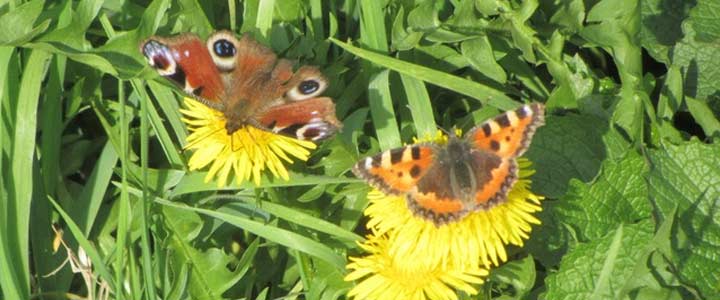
column 445, row 182
column 247, row 83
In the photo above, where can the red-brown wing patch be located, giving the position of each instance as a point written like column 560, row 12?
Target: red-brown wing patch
column 509, row 134
column 186, row 61
column 396, row 171
column 494, row 191
column 312, row 119
column 252, row 76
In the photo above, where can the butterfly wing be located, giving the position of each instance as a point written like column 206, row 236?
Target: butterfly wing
column 397, row 171
column 502, row 139
column 312, row 119
column 267, row 93
column 247, row 82
column 435, row 198
column 509, row 134
column 185, row 61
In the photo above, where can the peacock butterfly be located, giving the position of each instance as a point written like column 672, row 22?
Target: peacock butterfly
column 247, row 83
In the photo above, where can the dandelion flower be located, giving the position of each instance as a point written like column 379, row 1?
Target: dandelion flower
column 384, row 276
column 247, row 153
column 478, row 238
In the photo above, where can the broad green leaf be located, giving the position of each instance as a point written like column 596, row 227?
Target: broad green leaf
column 424, row 17
column 479, row 53
column 601, row 268
column 520, row 274
column 704, row 20
column 629, row 116
column 661, row 22
column 16, row 26
column 209, row 274
column 687, row 176
column 569, row 15
column 403, row 39
column 700, row 62
column 566, row 147
column 552, row 239
column 523, row 35
column 618, row 195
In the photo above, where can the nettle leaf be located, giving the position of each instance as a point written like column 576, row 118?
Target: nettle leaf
column 601, row 269
column 704, row 19
column 661, row 22
column 700, row 62
column 687, row 176
column 566, row 147
column 209, row 275
column 685, row 35
column 520, row 274
column 618, row 195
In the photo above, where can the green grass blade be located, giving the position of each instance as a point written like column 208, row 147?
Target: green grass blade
column 170, row 108
column 146, row 110
column 263, row 23
column 11, row 284
column 420, row 106
column 302, row 219
column 483, row 93
column 85, row 209
column 382, row 111
column 372, row 34
column 125, row 212
column 98, row 262
column 20, row 187
column 281, row 236
column 171, row 151
column 195, row 182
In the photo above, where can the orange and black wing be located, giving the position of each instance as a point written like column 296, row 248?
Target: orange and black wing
column 509, row 134
column 397, row 171
column 506, row 137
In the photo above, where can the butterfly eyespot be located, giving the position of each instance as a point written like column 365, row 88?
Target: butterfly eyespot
column 159, row 57
column 224, row 48
column 307, row 89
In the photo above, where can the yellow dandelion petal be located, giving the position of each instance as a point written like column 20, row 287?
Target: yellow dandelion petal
column 245, row 154
column 384, row 276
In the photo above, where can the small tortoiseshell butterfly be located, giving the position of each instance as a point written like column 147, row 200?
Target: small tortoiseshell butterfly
column 443, row 183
